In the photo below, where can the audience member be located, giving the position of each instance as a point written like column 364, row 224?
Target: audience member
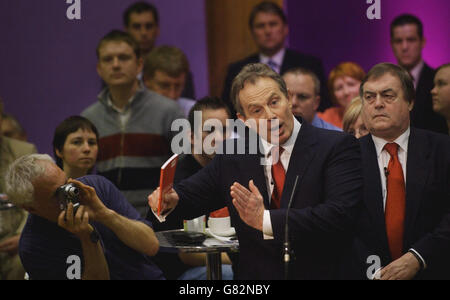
column 353, row 122
column 141, row 21
column 441, row 93
column 269, row 28
column 105, row 233
column 304, row 89
column 11, row 128
column 75, row 146
column 10, row 266
column 134, row 124
column 165, row 71
column 190, row 266
column 405, row 223
column 408, row 41
column 326, row 198
column 343, row 85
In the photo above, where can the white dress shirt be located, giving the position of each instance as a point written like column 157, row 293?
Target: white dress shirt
column 383, row 157
column 285, row 158
column 383, row 161
column 415, row 73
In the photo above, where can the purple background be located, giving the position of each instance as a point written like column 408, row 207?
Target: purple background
column 338, row 31
column 48, row 62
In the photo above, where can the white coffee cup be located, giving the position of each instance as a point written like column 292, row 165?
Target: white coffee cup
column 195, row 225
column 219, row 225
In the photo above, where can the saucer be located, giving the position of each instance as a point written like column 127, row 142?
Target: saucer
column 230, row 232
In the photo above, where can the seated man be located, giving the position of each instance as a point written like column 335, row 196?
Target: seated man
column 105, row 233
column 441, row 93
column 190, row 266
column 304, row 90
column 165, row 71
column 10, row 266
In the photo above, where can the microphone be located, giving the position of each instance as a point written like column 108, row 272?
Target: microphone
column 287, row 255
column 386, row 172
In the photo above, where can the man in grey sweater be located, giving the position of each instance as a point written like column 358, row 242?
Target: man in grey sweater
column 134, row 123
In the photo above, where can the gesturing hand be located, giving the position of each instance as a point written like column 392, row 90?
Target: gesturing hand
column 91, row 202
column 249, row 204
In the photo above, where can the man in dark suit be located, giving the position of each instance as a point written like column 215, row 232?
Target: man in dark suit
column 269, row 28
column 405, row 224
column 408, row 41
column 257, row 186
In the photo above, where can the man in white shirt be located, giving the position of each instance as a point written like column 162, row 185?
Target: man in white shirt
column 257, row 187
column 404, row 227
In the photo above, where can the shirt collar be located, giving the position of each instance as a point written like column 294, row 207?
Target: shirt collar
column 277, row 58
column 402, row 141
column 290, row 143
column 130, row 101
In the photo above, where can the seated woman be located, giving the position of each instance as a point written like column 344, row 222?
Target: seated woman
column 75, row 145
column 343, row 85
column 353, row 122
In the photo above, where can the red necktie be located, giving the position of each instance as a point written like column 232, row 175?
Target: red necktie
column 395, row 202
column 278, row 176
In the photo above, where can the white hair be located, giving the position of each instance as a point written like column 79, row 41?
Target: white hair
column 20, row 176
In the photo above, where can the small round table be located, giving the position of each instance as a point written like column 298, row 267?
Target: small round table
column 211, row 246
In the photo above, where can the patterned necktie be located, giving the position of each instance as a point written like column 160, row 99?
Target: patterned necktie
column 395, row 202
column 273, row 65
column 278, row 176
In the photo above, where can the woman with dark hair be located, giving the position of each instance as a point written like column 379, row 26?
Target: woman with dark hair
column 75, row 146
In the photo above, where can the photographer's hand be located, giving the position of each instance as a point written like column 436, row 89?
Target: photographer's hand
column 95, row 265
column 93, row 205
column 77, row 224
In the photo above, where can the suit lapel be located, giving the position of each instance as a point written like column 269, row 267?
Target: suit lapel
column 255, row 170
column 373, row 194
column 417, row 172
column 302, row 154
column 286, row 61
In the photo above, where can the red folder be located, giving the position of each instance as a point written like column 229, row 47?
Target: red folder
column 166, row 178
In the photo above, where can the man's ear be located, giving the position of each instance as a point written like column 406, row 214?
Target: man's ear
column 316, row 102
column 28, row 208
column 411, row 105
column 98, row 70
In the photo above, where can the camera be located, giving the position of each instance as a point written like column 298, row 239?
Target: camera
column 68, row 193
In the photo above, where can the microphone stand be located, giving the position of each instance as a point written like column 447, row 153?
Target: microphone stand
column 287, row 250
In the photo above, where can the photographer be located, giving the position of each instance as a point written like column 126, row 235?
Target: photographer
column 105, row 232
